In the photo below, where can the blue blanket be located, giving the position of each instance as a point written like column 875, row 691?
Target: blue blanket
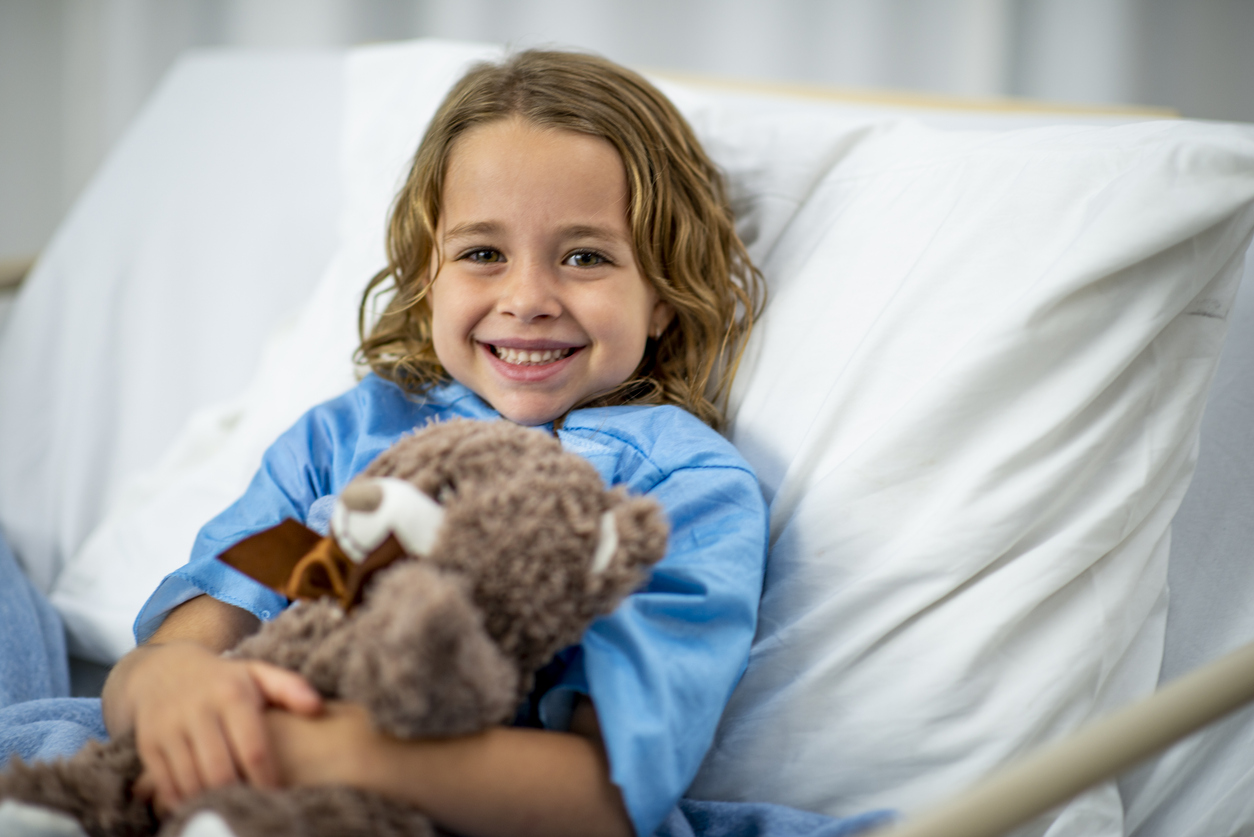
column 692, row 818
column 38, row 719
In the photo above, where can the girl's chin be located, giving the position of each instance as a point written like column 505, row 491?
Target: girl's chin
column 532, row 415
column 531, row 407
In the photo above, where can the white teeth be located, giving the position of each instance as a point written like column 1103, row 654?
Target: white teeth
column 520, row 357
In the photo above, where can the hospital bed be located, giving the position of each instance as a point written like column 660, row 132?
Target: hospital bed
column 975, row 402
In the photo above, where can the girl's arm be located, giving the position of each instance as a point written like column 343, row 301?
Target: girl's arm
column 504, row 781
column 198, row 718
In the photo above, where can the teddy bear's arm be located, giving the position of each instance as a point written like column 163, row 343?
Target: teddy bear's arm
column 421, row 660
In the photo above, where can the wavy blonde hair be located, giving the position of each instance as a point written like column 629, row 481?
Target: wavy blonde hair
column 682, row 227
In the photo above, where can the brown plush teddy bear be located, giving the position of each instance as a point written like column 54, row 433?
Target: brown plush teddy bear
column 461, row 560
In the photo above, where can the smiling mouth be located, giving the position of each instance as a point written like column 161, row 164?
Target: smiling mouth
column 524, row 357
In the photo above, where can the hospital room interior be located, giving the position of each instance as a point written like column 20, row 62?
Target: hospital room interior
column 1000, row 398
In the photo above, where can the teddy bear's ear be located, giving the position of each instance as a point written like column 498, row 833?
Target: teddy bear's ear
column 607, row 544
column 633, row 538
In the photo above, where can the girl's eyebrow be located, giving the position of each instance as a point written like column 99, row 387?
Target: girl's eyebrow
column 472, row 229
column 589, row 231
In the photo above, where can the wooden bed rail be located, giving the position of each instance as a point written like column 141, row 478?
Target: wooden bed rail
column 908, row 99
column 1094, row 753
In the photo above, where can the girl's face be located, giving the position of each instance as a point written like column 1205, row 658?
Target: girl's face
column 539, row 302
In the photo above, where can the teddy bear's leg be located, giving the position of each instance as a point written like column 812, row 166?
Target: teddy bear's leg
column 241, row 811
column 93, row 787
column 422, row 662
column 334, row 810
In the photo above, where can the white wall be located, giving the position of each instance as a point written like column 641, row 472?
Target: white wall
column 74, row 72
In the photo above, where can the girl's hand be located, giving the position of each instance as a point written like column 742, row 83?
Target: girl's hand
column 199, row 719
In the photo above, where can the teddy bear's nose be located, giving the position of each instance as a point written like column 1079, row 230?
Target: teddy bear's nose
column 362, row 496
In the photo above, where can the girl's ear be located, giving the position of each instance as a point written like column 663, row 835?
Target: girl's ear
column 660, row 318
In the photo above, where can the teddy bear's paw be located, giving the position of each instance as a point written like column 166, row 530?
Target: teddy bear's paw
column 294, row 635
column 92, row 787
column 21, row 819
column 424, row 665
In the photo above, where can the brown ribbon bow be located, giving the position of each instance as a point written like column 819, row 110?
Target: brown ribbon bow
column 297, row 562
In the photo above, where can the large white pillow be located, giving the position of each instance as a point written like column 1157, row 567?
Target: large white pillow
column 972, row 402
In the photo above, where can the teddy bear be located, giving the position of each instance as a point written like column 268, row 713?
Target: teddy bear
column 458, row 563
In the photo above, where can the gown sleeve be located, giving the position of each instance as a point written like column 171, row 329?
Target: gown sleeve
column 661, row 668
column 303, row 464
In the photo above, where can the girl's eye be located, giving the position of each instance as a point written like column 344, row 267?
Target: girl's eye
column 586, row 258
column 484, row 255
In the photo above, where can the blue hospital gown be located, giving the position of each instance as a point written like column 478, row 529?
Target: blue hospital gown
column 659, row 669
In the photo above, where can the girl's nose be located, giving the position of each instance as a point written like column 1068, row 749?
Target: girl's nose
column 529, row 293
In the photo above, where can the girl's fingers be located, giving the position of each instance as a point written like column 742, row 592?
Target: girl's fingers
column 179, row 780
column 144, row 787
column 286, row 689
column 155, row 783
column 148, row 789
column 246, row 735
column 211, row 751
column 157, row 773
column 214, row 734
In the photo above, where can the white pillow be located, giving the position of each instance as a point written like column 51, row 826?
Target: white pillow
column 973, row 403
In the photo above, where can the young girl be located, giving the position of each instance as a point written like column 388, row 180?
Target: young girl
column 562, row 256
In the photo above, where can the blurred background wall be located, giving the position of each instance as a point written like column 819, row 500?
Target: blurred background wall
column 74, row 72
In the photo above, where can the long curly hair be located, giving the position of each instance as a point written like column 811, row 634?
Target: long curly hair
column 682, row 227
